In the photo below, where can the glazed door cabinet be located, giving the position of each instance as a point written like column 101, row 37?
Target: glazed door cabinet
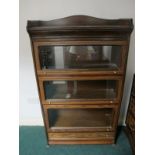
column 80, row 56
column 80, row 65
column 74, row 118
column 95, row 123
column 81, row 90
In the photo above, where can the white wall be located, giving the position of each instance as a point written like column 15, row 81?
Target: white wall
column 30, row 112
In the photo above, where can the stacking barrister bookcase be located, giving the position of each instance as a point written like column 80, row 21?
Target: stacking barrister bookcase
column 80, row 65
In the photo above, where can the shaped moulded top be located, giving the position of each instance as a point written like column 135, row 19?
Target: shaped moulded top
column 79, row 23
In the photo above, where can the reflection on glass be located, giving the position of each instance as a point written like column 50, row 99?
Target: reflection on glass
column 80, row 118
column 91, row 89
column 79, row 57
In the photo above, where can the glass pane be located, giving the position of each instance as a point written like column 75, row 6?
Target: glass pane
column 80, row 117
column 80, row 57
column 91, row 89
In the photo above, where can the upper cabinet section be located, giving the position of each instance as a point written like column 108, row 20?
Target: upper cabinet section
column 80, row 45
column 80, row 57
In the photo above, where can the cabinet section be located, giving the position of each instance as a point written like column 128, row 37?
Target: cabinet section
column 80, row 119
column 55, row 90
column 71, row 58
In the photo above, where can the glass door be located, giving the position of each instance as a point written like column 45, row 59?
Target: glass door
column 80, row 57
column 60, row 58
column 91, row 119
column 79, row 90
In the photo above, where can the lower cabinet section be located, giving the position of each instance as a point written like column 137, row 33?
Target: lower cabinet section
column 81, row 138
column 80, row 125
column 82, row 119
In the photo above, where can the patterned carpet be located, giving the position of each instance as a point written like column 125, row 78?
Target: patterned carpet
column 33, row 142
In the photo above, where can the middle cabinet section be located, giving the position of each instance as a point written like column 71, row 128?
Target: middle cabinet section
column 81, row 90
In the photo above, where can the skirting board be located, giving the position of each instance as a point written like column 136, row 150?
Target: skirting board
column 31, row 122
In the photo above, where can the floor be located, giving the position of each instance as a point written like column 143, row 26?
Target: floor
column 33, row 142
